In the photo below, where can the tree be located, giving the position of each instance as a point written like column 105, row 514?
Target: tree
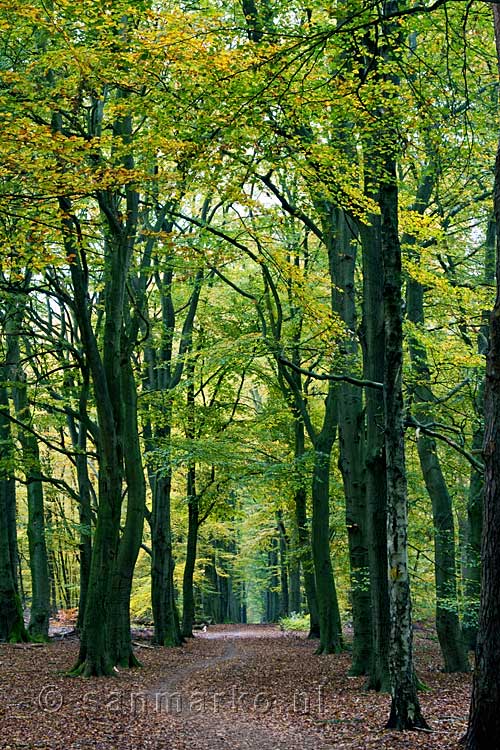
column 11, row 616
column 484, row 718
column 40, row 605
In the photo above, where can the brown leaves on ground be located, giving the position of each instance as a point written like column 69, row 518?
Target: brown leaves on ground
column 232, row 688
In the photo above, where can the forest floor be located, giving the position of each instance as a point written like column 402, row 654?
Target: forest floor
column 231, row 688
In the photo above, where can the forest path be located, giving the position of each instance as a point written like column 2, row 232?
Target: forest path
column 212, row 701
column 244, row 688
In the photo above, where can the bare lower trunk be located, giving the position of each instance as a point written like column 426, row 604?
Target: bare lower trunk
column 375, row 459
column 11, row 616
column 330, row 629
column 483, row 732
column 166, row 619
column 303, row 532
column 405, row 707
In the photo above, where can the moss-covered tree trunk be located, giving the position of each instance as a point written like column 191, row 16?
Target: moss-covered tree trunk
column 96, row 657
column 188, row 606
column 11, row 615
column 105, row 357
column 78, row 431
column 372, row 340
column 303, row 534
column 166, row 621
column 131, row 537
column 284, row 555
column 447, row 619
column 40, row 585
column 405, row 707
column 483, row 732
column 472, row 583
column 330, row 627
column 342, row 249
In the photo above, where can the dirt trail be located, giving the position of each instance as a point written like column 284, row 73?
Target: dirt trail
column 247, row 688
column 209, row 702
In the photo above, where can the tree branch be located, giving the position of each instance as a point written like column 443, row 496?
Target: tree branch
column 362, row 383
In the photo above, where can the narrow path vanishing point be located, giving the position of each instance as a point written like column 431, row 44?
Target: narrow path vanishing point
column 224, row 728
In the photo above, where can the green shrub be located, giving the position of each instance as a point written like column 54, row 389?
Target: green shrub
column 295, row 621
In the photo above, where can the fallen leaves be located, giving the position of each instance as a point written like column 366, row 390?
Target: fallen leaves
column 232, row 688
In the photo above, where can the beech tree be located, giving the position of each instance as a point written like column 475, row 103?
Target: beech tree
column 484, row 718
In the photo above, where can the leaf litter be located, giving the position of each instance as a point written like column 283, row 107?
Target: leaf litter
column 231, row 688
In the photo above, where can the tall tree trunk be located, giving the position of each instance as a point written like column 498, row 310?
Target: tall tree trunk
column 294, row 577
column 284, row 548
column 447, row 620
column 211, row 599
column 96, row 652
column 351, row 445
column 476, row 486
column 79, row 438
column 85, row 514
column 162, row 377
column 330, row 627
column 11, row 616
column 167, row 630
column 483, row 732
column 273, row 583
column 130, row 542
column 95, row 657
column 166, row 620
column 243, row 603
column 305, row 554
column 372, row 338
column 188, row 606
column 40, row 587
column 405, row 707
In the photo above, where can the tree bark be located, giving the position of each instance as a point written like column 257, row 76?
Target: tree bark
column 272, row 590
column 447, row 620
column 188, row 604
column 405, row 707
column 472, row 583
column 372, row 340
column 40, row 587
column 330, row 627
column 294, row 577
column 131, row 538
column 300, row 507
column 166, row 621
column 162, row 377
column 483, row 731
column 11, row 616
column 351, row 444
column 284, row 550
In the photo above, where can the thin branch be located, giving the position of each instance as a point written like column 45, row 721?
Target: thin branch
column 420, row 427
column 362, row 383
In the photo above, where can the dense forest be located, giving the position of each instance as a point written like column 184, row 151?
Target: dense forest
column 247, row 268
